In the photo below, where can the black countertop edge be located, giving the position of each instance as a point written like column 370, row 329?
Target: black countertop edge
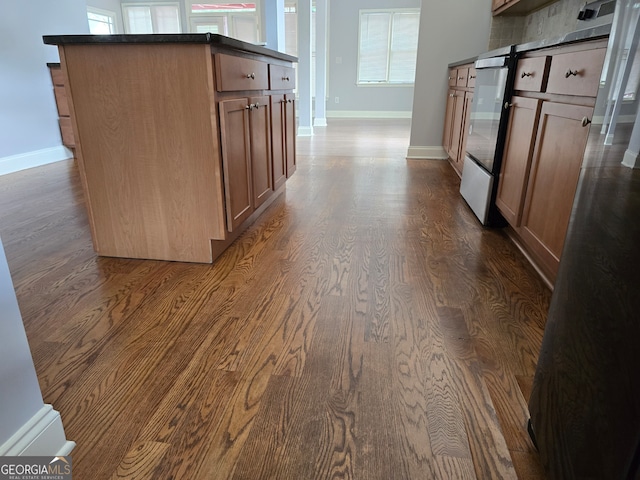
column 463, row 62
column 593, row 33
column 211, row 38
column 53, row 64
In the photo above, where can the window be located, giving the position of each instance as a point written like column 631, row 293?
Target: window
column 151, row 17
column 101, row 22
column 237, row 20
column 388, row 46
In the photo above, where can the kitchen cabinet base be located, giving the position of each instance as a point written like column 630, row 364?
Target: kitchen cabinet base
column 544, row 276
column 218, row 247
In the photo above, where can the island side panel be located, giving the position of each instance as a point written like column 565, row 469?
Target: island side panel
column 149, row 148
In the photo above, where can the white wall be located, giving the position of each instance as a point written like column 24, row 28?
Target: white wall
column 28, row 117
column 28, row 427
column 20, row 397
column 342, row 77
column 450, row 31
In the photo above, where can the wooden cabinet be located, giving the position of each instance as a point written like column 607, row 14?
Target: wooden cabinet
column 236, row 161
column 456, row 121
column 174, row 140
column 290, row 129
column 549, row 121
column 560, row 143
column 517, row 7
column 260, row 142
column 518, row 151
column 64, row 115
column 283, row 137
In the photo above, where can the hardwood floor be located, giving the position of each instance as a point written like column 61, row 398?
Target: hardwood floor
column 365, row 327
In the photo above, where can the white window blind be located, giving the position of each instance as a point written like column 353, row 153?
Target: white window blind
column 388, row 46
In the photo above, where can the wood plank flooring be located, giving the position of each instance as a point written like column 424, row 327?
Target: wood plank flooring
column 365, row 327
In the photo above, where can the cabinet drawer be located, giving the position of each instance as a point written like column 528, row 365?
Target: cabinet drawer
column 576, row 73
column 281, row 78
column 66, row 130
column 453, row 77
column 238, row 73
column 61, row 100
column 57, row 78
column 461, row 79
column 532, row 74
column 471, row 77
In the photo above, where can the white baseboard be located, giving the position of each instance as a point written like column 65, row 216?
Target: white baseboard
column 320, row 122
column 427, row 153
column 367, row 114
column 42, row 435
column 15, row 163
column 599, row 119
column 631, row 159
column 305, row 131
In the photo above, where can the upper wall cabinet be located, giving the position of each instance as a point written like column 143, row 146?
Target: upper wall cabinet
column 518, row 7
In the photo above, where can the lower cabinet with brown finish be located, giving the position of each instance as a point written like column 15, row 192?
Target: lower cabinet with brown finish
column 174, row 139
column 458, row 107
column 545, row 143
column 560, row 143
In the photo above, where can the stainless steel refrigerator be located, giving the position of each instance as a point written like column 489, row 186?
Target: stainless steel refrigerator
column 585, row 403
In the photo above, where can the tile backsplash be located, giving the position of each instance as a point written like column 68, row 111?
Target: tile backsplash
column 555, row 19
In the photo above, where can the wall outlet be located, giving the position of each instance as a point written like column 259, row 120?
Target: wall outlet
column 337, row 99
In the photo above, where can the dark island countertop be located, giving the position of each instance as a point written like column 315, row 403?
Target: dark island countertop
column 211, row 38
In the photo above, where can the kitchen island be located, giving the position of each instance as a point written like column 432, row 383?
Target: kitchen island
column 182, row 140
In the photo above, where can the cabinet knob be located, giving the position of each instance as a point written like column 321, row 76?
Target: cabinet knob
column 571, row 73
column 252, row 76
column 471, row 77
column 286, row 79
column 452, row 94
column 526, row 74
column 507, row 105
column 257, row 105
column 249, row 107
column 585, row 121
column 460, row 78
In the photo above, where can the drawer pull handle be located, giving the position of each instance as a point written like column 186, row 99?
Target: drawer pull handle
column 571, row 73
column 585, row 121
column 526, row 74
column 252, row 76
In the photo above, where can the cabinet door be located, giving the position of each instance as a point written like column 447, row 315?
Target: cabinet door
column 560, row 143
column 457, row 125
column 236, row 161
column 278, row 140
column 260, row 142
column 290, row 133
column 448, row 122
column 516, row 161
column 466, row 117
